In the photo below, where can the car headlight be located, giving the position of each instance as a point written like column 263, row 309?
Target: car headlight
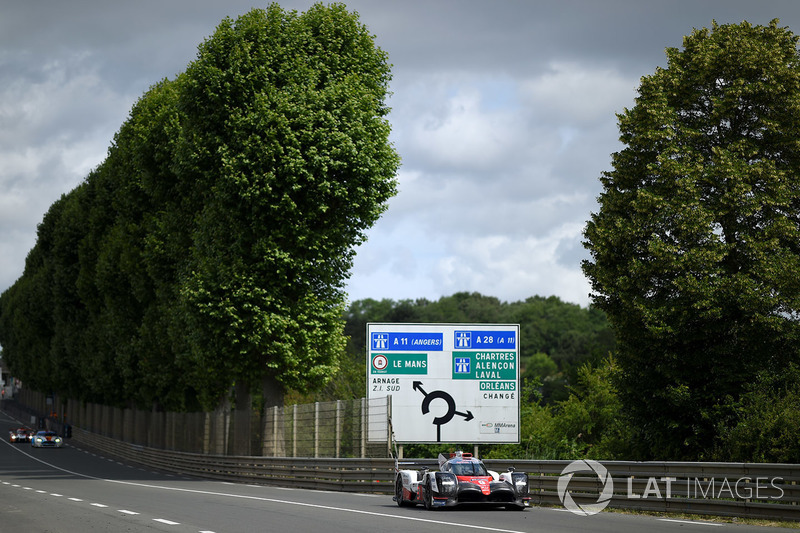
column 447, row 483
column 520, row 482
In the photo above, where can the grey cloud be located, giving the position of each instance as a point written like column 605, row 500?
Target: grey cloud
column 503, row 114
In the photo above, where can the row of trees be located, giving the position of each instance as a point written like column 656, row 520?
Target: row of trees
column 210, row 248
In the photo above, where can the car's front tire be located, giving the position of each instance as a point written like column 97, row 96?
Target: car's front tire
column 398, row 492
column 427, row 496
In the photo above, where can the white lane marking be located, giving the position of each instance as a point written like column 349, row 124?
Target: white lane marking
column 98, row 505
column 125, row 511
column 273, row 500
column 168, row 522
column 689, row 522
column 56, row 494
column 41, row 491
column 314, row 506
column 75, row 499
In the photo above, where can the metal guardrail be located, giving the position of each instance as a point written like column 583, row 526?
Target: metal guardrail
column 344, row 474
column 750, row 490
column 746, row 490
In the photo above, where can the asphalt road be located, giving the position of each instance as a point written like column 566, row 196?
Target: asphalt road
column 71, row 490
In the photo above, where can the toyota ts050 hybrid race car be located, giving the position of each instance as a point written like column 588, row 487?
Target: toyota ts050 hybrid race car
column 20, row 435
column 461, row 479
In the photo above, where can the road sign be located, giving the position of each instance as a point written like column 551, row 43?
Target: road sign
column 448, row 382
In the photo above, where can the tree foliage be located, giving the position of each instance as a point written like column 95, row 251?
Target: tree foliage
column 211, row 247
column 588, row 423
column 767, row 418
column 696, row 246
column 565, row 334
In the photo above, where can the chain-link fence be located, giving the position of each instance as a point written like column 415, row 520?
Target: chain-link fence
column 344, row 428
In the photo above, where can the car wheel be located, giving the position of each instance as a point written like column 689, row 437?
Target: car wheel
column 398, row 492
column 427, row 496
column 515, row 507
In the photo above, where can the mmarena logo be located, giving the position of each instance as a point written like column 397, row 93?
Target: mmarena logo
column 585, row 465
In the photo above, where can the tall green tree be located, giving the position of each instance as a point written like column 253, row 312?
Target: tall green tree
column 695, row 251
column 211, row 247
column 285, row 134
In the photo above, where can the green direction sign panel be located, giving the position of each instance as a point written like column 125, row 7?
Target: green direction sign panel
column 485, row 365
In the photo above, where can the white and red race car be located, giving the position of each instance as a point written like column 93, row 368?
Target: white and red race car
column 20, row 435
column 461, row 479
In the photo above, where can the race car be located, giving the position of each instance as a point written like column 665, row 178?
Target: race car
column 46, row 439
column 461, row 479
column 20, row 435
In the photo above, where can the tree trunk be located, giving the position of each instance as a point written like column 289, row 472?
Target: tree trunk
column 241, row 421
column 272, row 393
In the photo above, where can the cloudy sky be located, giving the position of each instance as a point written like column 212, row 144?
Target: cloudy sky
column 503, row 113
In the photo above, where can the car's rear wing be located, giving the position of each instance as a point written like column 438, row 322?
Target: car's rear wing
column 414, row 464
column 430, row 464
column 454, row 455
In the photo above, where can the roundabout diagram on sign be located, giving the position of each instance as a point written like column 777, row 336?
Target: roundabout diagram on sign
column 451, row 412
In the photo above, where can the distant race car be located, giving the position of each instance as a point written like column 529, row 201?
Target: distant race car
column 20, row 435
column 46, row 439
column 461, row 479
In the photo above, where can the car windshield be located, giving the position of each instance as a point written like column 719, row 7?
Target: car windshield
column 469, row 469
